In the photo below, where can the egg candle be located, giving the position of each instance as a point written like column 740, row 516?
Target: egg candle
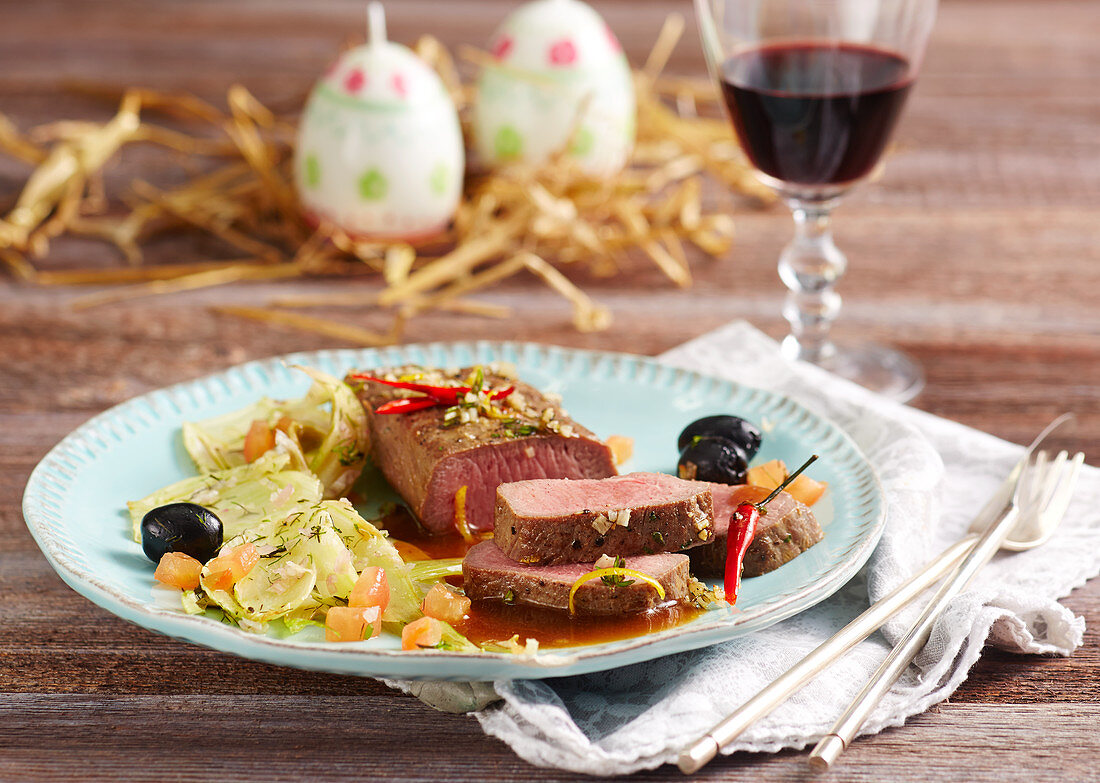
column 380, row 150
column 558, row 81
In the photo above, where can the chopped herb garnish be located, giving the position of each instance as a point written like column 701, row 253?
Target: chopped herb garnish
column 616, row 580
column 477, row 379
column 348, row 454
column 702, row 596
column 452, row 416
column 520, row 430
column 658, row 536
column 509, row 596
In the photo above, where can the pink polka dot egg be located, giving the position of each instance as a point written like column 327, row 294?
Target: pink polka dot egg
column 380, row 150
column 558, row 81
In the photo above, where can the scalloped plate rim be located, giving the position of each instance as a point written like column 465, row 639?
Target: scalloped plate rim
column 53, row 470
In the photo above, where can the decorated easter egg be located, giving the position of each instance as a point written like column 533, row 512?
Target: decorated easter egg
column 558, row 81
column 380, row 149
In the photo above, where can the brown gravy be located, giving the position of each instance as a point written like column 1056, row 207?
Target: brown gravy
column 403, row 526
column 490, row 621
column 497, row 621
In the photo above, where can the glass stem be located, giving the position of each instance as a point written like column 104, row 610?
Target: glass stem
column 810, row 267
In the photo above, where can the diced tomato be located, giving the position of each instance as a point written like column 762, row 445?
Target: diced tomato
column 445, row 604
column 176, row 569
column 807, row 490
column 410, row 553
column 770, row 474
column 227, row 569
column 259, row 440
column 352, row 623
column 622, row 448
column 220, row 577
column 425, row 632
column 371, row 589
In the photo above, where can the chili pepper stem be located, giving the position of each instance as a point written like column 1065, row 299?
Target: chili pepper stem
column 786, row 482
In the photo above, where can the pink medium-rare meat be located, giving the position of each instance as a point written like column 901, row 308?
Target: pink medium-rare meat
column 546, row 522
column 427, row 462
column 482, row 468
column 787, row 530
column 487, row 573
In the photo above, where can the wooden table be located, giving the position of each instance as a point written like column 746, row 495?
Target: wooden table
column 979, row 253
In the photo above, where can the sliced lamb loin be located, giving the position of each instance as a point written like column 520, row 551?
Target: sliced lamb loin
column 549, row 521
column 786, row 531
column 427, row 462
column 489, row 573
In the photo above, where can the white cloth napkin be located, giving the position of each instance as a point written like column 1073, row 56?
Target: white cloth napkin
column 936, row 475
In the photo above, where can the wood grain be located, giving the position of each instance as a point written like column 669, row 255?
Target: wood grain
column 277, row 738
column 978, row 252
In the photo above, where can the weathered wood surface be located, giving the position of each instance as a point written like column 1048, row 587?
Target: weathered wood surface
column 979, row 252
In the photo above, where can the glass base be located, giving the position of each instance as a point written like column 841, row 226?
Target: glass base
column 883, row 370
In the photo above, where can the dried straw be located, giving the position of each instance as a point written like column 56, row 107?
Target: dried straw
column 521, row 218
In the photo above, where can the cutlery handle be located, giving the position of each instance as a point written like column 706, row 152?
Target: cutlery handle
column 834, row 743
column 705, row 748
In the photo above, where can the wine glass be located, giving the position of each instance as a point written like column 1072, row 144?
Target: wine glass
column 814, row 89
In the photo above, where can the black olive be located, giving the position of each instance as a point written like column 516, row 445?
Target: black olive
column 736, row 430
column 713, row 459
column 181, row 527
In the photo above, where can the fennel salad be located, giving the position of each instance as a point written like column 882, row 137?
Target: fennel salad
column 264, row 537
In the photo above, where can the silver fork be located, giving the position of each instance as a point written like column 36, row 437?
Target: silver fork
column 1024, row 535
column 1044, row 491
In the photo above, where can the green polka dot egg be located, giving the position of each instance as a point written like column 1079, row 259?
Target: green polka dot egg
column 558, row 82
column 380, row 151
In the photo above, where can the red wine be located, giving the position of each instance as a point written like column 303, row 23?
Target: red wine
column 815, row 113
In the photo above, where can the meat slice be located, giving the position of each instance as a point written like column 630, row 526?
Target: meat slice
column 786, row 531
column 547, row 522
column 488, row 573
column 427, row 462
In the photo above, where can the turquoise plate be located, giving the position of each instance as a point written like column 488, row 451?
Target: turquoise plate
column 75, row 500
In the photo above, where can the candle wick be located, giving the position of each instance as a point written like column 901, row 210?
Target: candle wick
column 376, row 23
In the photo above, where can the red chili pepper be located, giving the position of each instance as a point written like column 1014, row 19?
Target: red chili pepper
column 742, row 529
column 407, row 405
column 436, row 395
column 445, row 395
